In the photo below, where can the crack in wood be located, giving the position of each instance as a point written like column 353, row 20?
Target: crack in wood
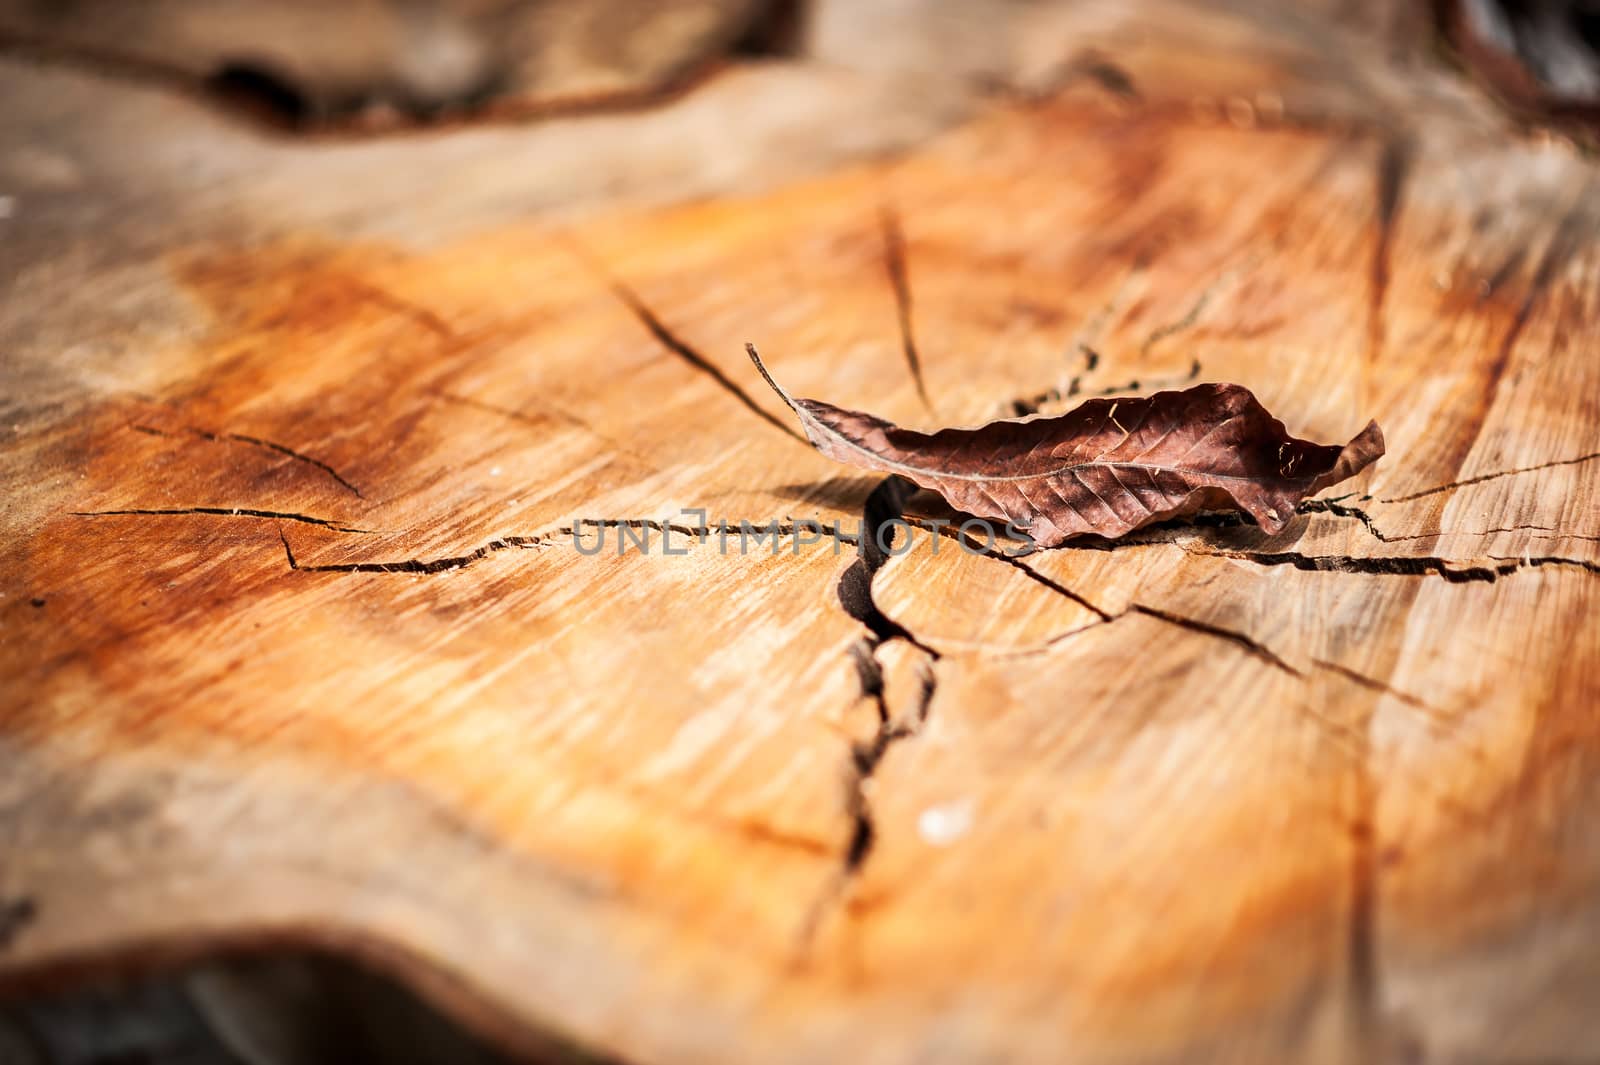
column 1498, row 529
column 412, row 565
column 1334, row 507
column 1343, row 510
column 419, row 314
column 1233, row 636
column 854, row 585
column 1436, row 489
column 224, row 512
column 1106, row 617
column 1031, row 405
column 1373, row 684
column 894, row 260
column 701, row 534
column 1084, row 342
column 1190, row 317
column 1454, row 571
column 972, row 545
column 1392, row 172
column 1566, row 239
column 883, row 508
column 676, row 344
column 255, row 441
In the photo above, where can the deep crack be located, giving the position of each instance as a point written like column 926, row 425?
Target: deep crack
column 1329, row 506
column 881, row 514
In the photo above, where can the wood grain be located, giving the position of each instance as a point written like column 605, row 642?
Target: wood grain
column 297, row 646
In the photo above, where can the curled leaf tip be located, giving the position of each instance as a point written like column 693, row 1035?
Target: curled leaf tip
column 783, row 393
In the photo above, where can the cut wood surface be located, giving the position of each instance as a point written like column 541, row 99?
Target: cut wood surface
column 298, row 647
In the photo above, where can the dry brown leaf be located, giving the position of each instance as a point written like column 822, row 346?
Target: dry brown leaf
column 1106, row 468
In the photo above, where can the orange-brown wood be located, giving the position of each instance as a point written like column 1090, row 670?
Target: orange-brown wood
column 297, row 646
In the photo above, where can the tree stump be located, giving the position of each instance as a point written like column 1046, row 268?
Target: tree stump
column 300, row 647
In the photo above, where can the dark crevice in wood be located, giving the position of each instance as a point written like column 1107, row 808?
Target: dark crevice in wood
column 865, row 759
column 1190, row 317
column 1334, row 507
column 1021, row 408
column 694, row 531
column 1413, row 566
column 1490, row 532
column 1566, row 238
column 880, row 514
column 1055, row 586
column 1539, row 59
column 1026, row 405
column 224, row 512
column 256, row 441
column 894, row 260
column 1158, row 384
column 1105, row 617
column 419, row 314
column 699, row 534
column 530, row 420
column 1337, row 509
column 1016, row 562
column 412, row 565
column 1393, row 169
column 1536, row 561
column 882, row 510
column 1371, row 683
column 1437, row 718
column 1436, row 489
column 681, row 348
column 297, row 457
column 1342, row 510
column 1205, row 628
column 1233, row 636
column 760, row 832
